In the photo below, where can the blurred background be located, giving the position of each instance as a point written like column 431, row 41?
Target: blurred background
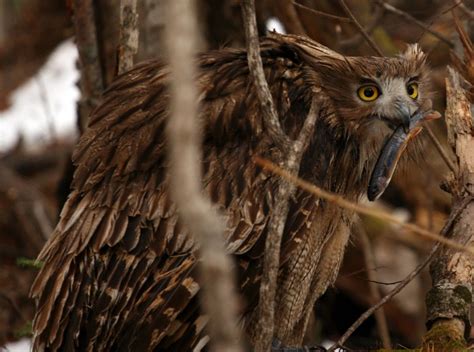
column 41, row 109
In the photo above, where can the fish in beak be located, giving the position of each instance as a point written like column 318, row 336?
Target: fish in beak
column 393, row 149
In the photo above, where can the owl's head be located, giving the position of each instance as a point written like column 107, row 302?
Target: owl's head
column 376, row 100
column 368, row 89
column 372, row 94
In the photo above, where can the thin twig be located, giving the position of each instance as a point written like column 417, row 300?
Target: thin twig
column 385, row 299
column 43, row 92
column 412, row 19
column 322, row 14
column 370, row 262
column 286, row 12
column 440, row 149
column 128, row 44
column 452, row 7
column 270, row 116
column 15, row 307
column 466, row 11
column 447, row 227
column 30, row 206
column 360, row 28
column 218, row 293
column 357, row 38
column 358, row 208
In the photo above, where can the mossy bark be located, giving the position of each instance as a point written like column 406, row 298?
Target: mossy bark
column 449, row 301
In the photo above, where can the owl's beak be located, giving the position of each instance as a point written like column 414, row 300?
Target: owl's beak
column 401, row 118
column 393, row 149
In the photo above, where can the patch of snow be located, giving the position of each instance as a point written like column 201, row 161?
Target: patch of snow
column 274, row 24
column 44, row 107
column 23, row 345
column 328, row 344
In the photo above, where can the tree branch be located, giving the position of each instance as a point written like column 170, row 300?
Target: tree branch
column 412, row 19
column 128, row 44
column 286, row 12
column 321, row 13
column 370, row 262
column 360, row 28
column 360, row 209
column 447, row 227
column 216, row 275
column 450, row 299
column 30, row 207
column 91, row 72
column 270, row 116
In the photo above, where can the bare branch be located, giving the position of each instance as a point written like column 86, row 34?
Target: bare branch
column 30, row 207
column 128, row 45
column 91, row 72
column 270, row 116
column 321, row 13
column 412, row 19
column 286, row 12
column 374, row 289
column 440, row 149
column 447, row 227
column 360, row 209
column 385, row 299
column 358, row 38
column 360, row 28
column 217, row 278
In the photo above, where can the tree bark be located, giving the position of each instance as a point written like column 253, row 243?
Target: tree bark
column 450, row 299
column 128, row 46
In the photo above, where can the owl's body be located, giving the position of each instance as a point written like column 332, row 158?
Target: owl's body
column 120, row 270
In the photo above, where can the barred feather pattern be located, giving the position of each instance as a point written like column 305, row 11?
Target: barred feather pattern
column 120, row 269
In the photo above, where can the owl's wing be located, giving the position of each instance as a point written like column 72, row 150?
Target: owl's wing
column 120, row 269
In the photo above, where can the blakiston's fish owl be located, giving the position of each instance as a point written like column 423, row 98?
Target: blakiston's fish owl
column 119, row 271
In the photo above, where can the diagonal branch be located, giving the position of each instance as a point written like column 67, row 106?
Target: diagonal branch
column 410, row 18
column 217, row 278
column 360, row 28
column 447, row 227
column 360, row 209
column 340, row 201
column 440, row 149
column 270, row 116
column 321, row 13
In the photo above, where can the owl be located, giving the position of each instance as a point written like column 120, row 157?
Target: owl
column 119, row 272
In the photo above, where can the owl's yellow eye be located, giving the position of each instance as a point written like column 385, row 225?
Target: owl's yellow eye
column 412, row 90
column 368, row 92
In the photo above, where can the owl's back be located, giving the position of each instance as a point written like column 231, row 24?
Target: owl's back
column 120, row 269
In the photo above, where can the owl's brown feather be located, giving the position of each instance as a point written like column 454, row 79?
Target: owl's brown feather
column 120, row 269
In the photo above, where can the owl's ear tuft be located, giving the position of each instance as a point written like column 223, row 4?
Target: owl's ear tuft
column 414, row 53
